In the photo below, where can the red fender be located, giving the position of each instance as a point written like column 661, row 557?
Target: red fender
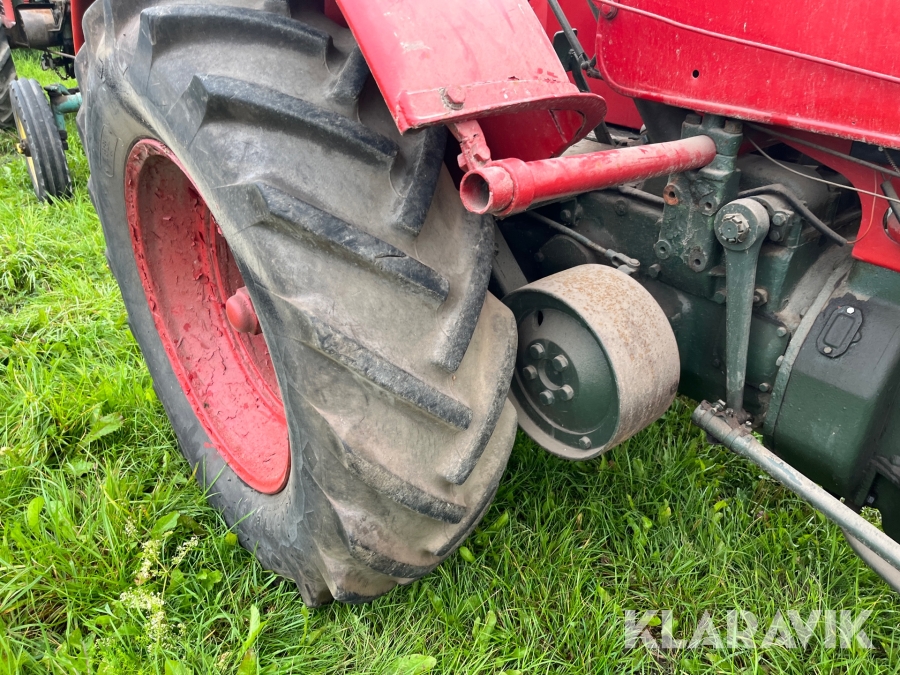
column 451, row 61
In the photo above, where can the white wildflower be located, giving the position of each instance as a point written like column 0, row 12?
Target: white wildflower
column 151, row 605
column 183, row 549
column 149, row 560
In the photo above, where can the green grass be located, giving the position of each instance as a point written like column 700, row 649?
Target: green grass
column 99, row 574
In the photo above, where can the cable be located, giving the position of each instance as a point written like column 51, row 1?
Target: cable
column 818, row 180
column 822, row 148
column 782, row 191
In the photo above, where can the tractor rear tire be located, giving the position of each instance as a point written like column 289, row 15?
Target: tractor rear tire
column 7, row 77
column 248, row 146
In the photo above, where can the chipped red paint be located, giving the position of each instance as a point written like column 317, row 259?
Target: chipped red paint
column 511, row 186
column 187, row 272
column 817, row 65
column 495, row 56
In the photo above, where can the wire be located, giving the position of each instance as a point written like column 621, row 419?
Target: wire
column 818, row 180
column 782, row 191
column 756, row 45
column 822, row 148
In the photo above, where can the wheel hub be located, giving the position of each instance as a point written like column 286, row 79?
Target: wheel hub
column 204, row 317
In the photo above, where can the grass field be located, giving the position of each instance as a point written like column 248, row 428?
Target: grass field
column 111, row 562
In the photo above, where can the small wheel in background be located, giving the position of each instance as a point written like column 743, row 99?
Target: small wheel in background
column 7, row 77
column 39, row 140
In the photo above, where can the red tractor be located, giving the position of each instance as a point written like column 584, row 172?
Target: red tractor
column 360, row 242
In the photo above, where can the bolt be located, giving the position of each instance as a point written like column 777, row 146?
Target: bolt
column 781, row 332
column 608, row 11
column 566, row 216
column 566, row 393
column 827, row 350
column 870, row 500
column 584, row 443
column 779, row 219
column 546, row 397
column 240, row 313
column 764, row 387
column 670, row 194
column 760, row 296
column 775, row 235
column 621, row 207
column 716, row 362
column 560, row 363
column 733, row 127
column 529, row 373
column 456, row 95
column 734, row 228
column 850, row 310
column 654, row 270
column 537, row 351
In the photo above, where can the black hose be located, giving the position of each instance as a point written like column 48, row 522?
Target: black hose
column 782, row 191
column 893, row 199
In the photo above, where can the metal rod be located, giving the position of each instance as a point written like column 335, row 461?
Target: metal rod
column 571, row 37
column 509, row 186
column 739, row 439
column 613, row 256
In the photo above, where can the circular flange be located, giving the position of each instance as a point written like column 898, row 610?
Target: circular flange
column 597, row 360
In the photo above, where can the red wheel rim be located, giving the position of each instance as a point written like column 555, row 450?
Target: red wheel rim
column 188, row 273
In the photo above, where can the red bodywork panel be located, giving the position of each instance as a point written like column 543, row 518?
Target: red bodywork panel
column 817, row 65
column 457, row 60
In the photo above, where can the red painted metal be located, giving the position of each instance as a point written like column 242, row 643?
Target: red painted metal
column 77, row 9
column 494, row 58
column 511, row 186
column 620, row 110
column 240, row 313
column 816, row 65
column 873, row 244
column 9, row 14
column 187, row 272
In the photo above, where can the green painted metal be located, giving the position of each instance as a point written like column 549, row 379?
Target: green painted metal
column 740, row 227
column 686, row 245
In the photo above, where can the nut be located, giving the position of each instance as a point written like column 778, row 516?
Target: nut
column 584, row 443
column 560, row 363
column 546, row 397
column 529, row 373
column 566, row 393
column 537, row 351
column 734, row 228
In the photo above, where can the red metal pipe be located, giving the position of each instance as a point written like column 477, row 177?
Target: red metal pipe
column 510, row 186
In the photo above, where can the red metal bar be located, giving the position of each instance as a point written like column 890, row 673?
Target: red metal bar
column 511, row 186
column 77, row 9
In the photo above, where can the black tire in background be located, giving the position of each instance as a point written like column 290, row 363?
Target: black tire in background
column 39, row 140
column 368, row 276
column 7, row 77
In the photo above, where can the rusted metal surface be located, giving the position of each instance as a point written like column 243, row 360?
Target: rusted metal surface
column 634, row 340
column 727, row 430
column 511, row 186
